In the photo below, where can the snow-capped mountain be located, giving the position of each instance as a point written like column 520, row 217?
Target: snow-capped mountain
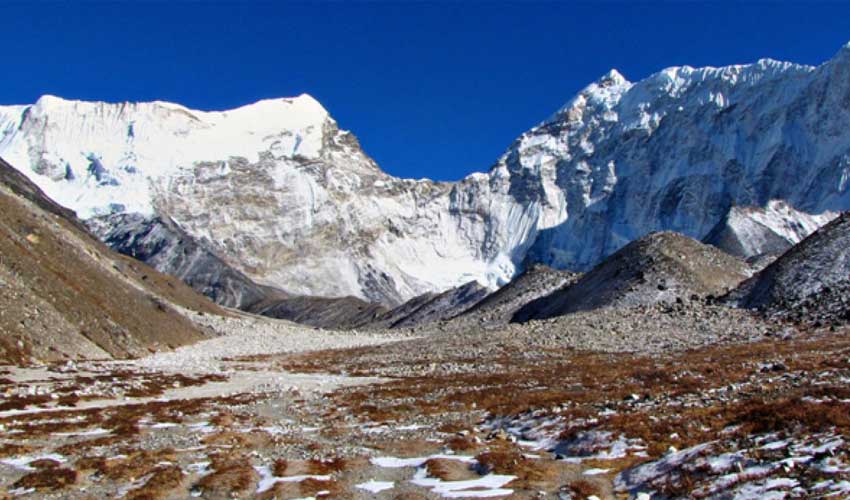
column 275, row 189
column 279, row 192
column 677, row 150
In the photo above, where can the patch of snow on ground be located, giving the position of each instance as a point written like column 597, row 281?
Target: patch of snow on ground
column 487, row 486
column 395, row 463
column 268, row 479
column 376, row 486
column 93, row 432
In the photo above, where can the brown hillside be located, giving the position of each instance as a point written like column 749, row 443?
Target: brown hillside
column 65, row 295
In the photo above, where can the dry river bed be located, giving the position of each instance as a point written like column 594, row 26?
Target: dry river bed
column 260, row 414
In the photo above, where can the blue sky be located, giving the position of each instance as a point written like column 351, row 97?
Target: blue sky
column 432, row 90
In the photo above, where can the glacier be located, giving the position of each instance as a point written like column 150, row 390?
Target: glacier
column 278, row 191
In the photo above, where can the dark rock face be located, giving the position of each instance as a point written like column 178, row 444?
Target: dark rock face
column 661, row 267
column 810, row 283
column 499, row 307
column 160, row 243
column 431, row 308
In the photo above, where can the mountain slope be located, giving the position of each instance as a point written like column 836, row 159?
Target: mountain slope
column 281, row 194
column 809, row 283
column 662, row 267
column 499, row 307
column 64, row 295
column 161, row 243
column 339, row 313
column 752, row 231
column 432, row 307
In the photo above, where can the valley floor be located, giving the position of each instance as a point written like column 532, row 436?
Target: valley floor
column 269, row 411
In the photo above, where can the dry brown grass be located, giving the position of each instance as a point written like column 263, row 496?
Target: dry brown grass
column 504, row 460
column 95, row 463
column 279, row 467
column 47, row 479
column 312, row 487
column 788, row 414
column 462, row 444
column 413, row 447
column 12, row 449
column 587, row 381
column 232, row 475
column 222, row 420
column 448, row 470
column 165, row 480
column 326, row 466
column 85, row 446
column 44, row 463
column 584, row 488
column 31, row 428
column 19, row 402
column 137, row 464
column 531, row 474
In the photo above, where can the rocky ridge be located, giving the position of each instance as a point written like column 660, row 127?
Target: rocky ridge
column 497, row 309
column 431, row 308
column 659, row 268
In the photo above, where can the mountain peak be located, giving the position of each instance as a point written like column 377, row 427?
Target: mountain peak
column 843, row 53
column 612, row 77
column 303, row 105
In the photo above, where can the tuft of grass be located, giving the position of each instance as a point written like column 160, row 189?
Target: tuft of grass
column 447, row 470
column 461, row 444
column 312, row 487
column 279, row 467
column 12, row 449
column 326, row 466
column 44, row 463
column 583, row 488
column 536, row 475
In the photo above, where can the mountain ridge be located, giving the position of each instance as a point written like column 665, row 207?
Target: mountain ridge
column 297, row 204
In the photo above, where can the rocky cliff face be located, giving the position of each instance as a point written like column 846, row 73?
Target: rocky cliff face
column 162, row 244
column 281, row 194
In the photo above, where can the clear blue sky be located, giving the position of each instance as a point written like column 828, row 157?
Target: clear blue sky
column 431, row 90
